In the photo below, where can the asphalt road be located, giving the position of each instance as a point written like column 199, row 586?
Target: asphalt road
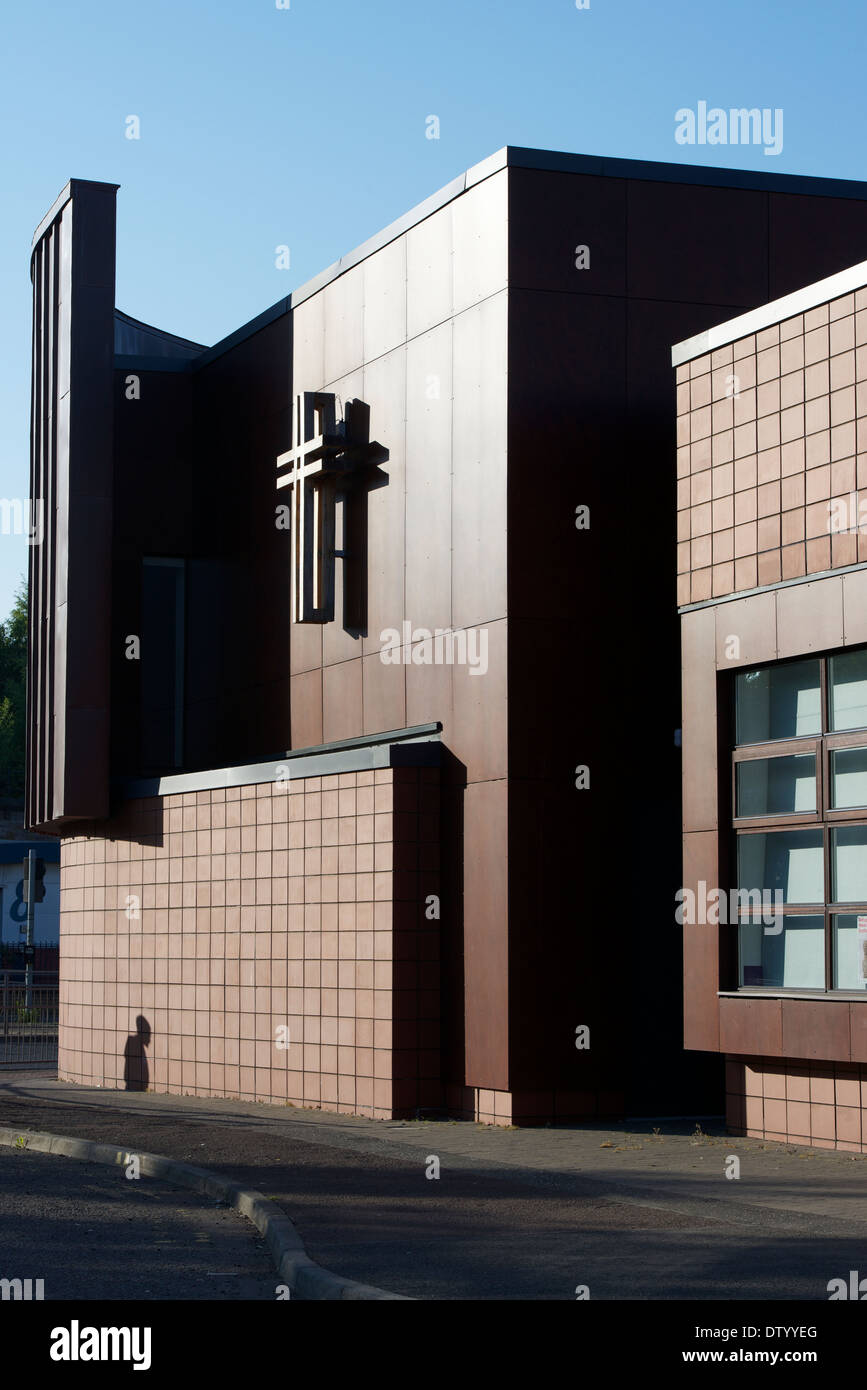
column 91, row 1233
column 375, row 1217
column 514, row 1215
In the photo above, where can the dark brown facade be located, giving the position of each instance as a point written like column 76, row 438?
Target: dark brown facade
column 510, row 381
column 72, row 271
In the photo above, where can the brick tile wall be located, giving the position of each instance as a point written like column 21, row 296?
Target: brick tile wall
column 222, row 917
column 801, row 1102
column 771, row 429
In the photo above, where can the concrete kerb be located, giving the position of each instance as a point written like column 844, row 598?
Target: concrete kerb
column 304, row 1276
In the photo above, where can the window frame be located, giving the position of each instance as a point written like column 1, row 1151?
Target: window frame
column 783, row 748
column 821, row 745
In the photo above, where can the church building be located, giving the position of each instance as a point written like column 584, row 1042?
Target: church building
column 354, row 687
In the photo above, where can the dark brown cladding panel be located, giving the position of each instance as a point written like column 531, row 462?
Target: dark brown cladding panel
column 71, row 490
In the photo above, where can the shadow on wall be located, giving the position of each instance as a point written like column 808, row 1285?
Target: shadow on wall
column 138, row 821
column 136, row 1073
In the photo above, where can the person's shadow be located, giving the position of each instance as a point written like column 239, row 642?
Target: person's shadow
column 136, row 1073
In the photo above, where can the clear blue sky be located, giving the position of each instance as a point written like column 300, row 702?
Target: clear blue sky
column 306, row 126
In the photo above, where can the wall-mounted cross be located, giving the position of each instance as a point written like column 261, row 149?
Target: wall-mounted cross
column 326, row 458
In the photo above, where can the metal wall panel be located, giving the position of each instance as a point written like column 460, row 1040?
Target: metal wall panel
column 344, row 346
column 486, row 937
column 385, row 393
column 385, row 300
column 428, row 478
column 338, row 644
column 550, row 216
column 308, row 374
column 71, row 482
column 479, row 454
column 480, row 241
column 727, row 264
column 429, row 273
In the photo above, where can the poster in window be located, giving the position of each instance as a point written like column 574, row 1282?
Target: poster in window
column 862, row 950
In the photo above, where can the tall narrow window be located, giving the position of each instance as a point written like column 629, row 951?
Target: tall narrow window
column 799, row 798
column 162, row 663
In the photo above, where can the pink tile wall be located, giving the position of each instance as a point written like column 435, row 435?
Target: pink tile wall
column 296, row 906
column 770, row 430
column 801, row 1102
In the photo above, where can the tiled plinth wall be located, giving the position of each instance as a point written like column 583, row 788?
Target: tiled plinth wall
column 298, row 906
column 802, row 1102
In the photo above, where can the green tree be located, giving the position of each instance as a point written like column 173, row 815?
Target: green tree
column 13, row 696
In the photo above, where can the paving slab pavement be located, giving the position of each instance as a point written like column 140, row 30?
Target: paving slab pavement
column 514, row 1214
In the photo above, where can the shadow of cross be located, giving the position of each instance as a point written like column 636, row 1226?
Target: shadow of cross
column 329, row 458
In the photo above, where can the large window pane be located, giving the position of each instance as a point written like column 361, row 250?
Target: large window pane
column 793, row 959
column 848, row 690
column 790, row 861
column 778, row 702
column 776, row 786
column 850, row 953
column 848, row 777
column 849, row 864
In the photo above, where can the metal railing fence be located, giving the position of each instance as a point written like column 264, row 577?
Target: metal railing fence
column 28, row 1017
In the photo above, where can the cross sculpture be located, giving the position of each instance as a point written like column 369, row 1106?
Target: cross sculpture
column 327, row 457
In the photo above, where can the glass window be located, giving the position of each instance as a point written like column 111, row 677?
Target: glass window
column 789, row 861
column 848, row 777
column 848, row 690
column 804, row 867
column 779, row 702
column 849, row 864
column 793, row 958
column 850, row 951
column 777, row 786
